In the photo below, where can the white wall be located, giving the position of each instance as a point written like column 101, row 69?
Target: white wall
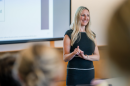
column 100, row 13
column 19, row 46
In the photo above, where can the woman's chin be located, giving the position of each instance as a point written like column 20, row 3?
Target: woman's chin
column 84, row 24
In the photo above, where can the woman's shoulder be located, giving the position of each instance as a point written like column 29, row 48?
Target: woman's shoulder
column 69, row 32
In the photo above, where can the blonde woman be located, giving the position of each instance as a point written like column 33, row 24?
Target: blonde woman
column 80, row 49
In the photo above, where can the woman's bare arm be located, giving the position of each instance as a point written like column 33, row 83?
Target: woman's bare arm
column 94, row 57
column 67, row 56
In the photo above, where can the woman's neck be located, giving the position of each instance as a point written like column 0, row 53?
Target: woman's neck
column 82, row 29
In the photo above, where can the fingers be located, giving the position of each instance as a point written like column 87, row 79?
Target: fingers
column 82, row 52
column 77, row 47
column 80, row 55
column 78, row 52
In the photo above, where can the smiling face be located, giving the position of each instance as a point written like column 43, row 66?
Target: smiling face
column 84, row 17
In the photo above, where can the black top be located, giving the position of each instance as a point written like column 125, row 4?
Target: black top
column 86, row 45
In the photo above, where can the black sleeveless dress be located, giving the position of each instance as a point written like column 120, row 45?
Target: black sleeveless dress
column 80, row 71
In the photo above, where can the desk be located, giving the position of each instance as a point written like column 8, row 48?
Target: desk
column 117, row 81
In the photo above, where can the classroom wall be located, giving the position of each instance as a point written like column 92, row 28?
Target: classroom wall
column 100, row 13
column 19, row 46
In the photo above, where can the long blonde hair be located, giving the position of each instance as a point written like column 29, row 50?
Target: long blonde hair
column 75, row 26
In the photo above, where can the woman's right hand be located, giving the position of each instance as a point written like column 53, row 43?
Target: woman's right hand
column 77, row 51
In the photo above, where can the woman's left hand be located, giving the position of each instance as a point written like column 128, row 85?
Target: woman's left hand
column 82, row 54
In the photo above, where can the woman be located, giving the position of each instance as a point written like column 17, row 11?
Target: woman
column 80, row 49
column 39, row 65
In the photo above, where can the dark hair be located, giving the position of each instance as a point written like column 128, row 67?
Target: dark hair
column 6, row 66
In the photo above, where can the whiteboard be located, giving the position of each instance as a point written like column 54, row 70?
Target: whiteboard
column 100, row 14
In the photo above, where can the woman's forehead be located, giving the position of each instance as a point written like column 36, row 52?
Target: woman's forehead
column 84, row 11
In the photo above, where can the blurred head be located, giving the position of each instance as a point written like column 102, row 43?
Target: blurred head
column 119, row 37
column 40, row 65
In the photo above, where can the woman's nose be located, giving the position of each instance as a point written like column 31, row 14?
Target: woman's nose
column 86, row 17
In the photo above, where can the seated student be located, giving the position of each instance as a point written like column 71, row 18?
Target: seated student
column 6, row 66
column 39, row 65
column 119, row 44
column 119, row 40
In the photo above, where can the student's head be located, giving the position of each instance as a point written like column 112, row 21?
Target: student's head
column 81, row 17
column 119, row 37
column 39, row 65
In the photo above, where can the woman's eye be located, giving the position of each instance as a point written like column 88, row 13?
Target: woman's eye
column 82, row 15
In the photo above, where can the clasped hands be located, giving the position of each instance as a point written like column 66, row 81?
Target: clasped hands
column 79, row 52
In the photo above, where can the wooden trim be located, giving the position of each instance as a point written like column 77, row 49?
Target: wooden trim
column 33, row 40
column 12, row 51
column 52, row 44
